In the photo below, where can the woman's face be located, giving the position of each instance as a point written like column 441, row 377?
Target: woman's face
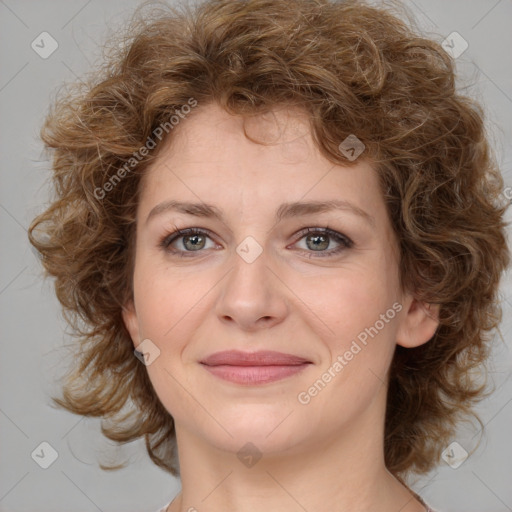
column 255, row 280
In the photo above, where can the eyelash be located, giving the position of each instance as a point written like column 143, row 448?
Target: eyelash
column 346, row 243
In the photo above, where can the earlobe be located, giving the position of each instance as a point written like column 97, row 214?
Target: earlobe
column 418, row 325
column 130, row 322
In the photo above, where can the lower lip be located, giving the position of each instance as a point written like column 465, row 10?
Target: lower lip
column 251, row 375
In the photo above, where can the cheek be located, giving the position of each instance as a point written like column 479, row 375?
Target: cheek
column 344, row 304
column 358, row 346
column 355, row 317
column 162, row 297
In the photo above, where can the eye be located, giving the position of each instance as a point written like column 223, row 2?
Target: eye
column 188, row 240
column 319, row 239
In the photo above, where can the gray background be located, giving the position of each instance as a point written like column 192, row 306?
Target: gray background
column 33, row 331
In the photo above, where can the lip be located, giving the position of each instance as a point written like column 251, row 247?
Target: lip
column 251, row 368
column 260, row 358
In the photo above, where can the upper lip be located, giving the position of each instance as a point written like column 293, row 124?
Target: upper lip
column 260, row 358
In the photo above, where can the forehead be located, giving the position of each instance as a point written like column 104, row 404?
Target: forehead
column 252, row 163
column 211, row 136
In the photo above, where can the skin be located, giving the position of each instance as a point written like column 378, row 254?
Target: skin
column 326, row 454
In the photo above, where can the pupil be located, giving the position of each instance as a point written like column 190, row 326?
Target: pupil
column 321, row 245
column 195, row 243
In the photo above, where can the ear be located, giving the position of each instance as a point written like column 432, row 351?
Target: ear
column 418, row 323
column 131, row 323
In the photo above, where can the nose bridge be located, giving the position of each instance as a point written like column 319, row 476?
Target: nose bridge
column 249, row 279
column 251, row 290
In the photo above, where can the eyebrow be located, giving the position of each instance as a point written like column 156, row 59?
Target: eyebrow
column 286, row 210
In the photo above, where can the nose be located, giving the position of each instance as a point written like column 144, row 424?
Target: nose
column 253, row 295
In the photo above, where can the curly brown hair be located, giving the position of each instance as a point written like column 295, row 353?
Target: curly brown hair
column 354, row 69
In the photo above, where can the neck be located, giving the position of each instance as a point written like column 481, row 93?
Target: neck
column 345, row 471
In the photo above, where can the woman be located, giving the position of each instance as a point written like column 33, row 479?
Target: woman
column 290, row 214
